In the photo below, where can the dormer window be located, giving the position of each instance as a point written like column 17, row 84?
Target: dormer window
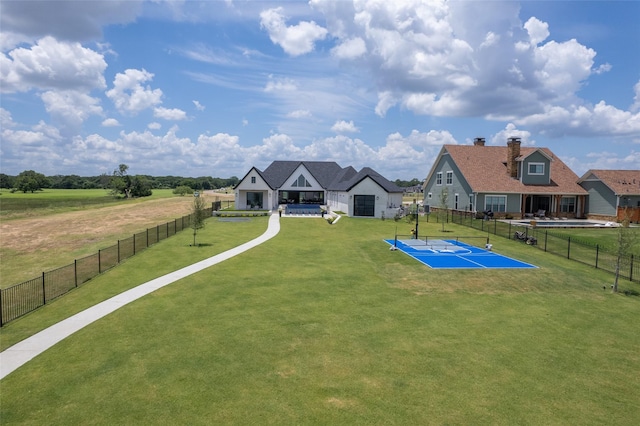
column 301, row 182
column 536, row 168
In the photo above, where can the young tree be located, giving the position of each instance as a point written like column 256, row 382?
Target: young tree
column 627, row 238
column 443, row 206
column 198, row 215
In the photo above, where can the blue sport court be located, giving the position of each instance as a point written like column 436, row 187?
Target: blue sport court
column 454, row 254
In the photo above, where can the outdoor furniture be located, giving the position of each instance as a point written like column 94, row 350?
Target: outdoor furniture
column 541, row 214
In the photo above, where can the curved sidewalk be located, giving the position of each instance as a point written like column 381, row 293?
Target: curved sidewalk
column 20, row 353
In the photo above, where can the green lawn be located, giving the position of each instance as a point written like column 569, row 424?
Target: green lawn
column 324, row 325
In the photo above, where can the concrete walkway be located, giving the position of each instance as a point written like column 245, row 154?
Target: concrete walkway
column 20, row 353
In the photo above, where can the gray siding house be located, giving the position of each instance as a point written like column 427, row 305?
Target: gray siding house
column 509, row 180
column 612, row 194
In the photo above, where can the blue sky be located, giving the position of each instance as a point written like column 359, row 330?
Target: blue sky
column 212, row 88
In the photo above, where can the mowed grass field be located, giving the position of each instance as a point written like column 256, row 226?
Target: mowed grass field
column 325, row 325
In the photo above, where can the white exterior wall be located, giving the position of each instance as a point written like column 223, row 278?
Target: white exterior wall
column 338, row 201
column 269, row 197
column 384, row 200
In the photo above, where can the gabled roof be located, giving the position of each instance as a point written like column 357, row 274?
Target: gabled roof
column 259, row 173
column 322, row 171
column 328, row 174
column 484, row 169
column 344, row 183
column 621, row 182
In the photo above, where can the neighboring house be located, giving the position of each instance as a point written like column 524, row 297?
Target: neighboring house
column 509, row 180
column 295, row 183
column 612, row 194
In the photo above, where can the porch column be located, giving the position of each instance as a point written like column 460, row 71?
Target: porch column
column 558, row 201
column 523, row 207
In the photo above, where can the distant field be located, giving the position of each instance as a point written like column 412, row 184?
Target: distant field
column 48, row 201
column 74, row 224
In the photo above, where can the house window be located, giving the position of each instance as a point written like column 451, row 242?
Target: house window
column 429, row 196
column 568, row 204
column 495, row 203
column 456, row 199
column 253, row 179
column 536, row 168
column 301, row 182
column 449, row 178
column 439, row 178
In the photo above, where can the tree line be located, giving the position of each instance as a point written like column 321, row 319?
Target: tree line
column 31, row 181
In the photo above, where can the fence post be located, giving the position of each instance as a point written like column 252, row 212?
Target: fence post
column 44, row 291
column 167, row 225
column 118, row 251
column 509, row 235
column 147, row 237
column 597, row 252
column 1, row 319
column 75, row 272
column 99, row 262
column 495, row 226
column 134, row 244
column 631, row 269
column 569, row 248
column 546, row 233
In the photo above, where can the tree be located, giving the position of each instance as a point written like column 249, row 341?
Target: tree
column 627, row 238
column 443, row 206
column 123, row 184
column 6, row 181
column 198, row 215
column 31, row 181
column 183, row 190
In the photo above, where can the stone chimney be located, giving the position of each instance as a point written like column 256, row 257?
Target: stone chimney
column 513, row 152
column 478, row 141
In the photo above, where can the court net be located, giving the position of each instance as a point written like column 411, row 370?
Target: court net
column 437, row 243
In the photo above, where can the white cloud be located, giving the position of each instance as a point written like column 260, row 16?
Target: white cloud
column 72, row 108
column 342, row 126
column 198, row 106
column 300, row 113
column 538, row 31
column 350, row 49
column 280, row 85
column 295, row 40
column 50, row 64
column 635, row 107
column 128, row 94
column 169, row 113
column 110, row 122
column 154, row 125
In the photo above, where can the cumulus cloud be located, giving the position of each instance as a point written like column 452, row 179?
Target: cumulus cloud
column 342, row 126
column 66, row 20
column 295, row 40
column 350, row 49
column 198, row 106
column 110, row 122
column 129, row 95
column 70, row 107
column 51, row 64
column 174, row 114
column 154, row 125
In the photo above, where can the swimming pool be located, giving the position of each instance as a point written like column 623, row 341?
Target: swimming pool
column 567, row 224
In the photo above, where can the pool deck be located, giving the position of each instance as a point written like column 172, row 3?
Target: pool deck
column 563, row 223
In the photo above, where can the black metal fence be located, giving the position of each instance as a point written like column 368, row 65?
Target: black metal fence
column 20, row 299
column 592, row 254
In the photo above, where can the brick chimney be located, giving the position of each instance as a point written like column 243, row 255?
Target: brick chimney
column 513, row 152
column 478, row 141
